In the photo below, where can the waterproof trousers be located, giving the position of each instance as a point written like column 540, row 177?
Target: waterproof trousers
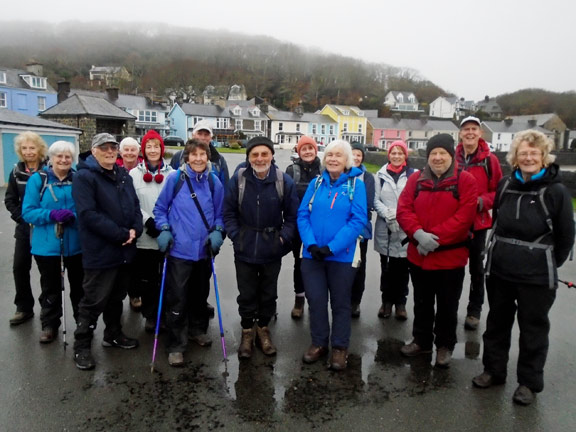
column 476, row 269
column 360, row 278
column 394, row 278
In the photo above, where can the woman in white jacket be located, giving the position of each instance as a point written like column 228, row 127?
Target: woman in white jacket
column 388, row 236
column 149, row 177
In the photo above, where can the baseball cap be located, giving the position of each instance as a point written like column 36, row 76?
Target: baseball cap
column 470, row 119
column 202, row 125
column 103, row 138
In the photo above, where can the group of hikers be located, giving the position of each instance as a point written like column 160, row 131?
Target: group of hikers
column 137, row 225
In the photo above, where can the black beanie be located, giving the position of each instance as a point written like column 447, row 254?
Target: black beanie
column 256, row 141
column 359, row 146
column 441, row 140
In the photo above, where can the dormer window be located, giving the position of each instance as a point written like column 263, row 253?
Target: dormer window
column 2, row 77
column 346, row 112
column 237, row 111
column 35, row 82
column 400, row 98
column 256, row 112
column 411, row 98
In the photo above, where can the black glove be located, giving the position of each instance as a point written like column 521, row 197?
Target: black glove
column 151, row 228
column 325, row 252
column 314, row 251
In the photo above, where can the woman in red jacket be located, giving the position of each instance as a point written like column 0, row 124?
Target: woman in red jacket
column 436, row 210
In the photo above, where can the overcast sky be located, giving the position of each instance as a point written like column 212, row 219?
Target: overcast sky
column 470, row 48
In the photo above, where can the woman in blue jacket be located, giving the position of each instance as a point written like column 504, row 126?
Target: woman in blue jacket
column 192, row 231
column 329, row 250
column 48, row 206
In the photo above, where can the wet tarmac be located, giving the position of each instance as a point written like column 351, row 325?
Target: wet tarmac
column 380, row 390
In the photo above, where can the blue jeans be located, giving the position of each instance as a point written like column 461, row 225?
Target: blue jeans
column 323, row 281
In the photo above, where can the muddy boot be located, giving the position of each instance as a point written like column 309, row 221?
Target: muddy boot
column 245, row 348
column 298, row 309
column 264, row 342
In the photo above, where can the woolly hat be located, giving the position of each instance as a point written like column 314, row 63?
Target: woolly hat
column 129, row 141
column 152, row 134
column 400, row 144
column 441, row 140
column 256, row 141
column 306, row 140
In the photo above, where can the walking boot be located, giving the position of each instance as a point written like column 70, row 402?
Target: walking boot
column 401, row 314
column 471, row 323
column 385, row 310
column 245, row 348
column 314, row 354
column 298, row 309
column 264, row 342
column 20, row 317
column 339, row 359
column 355, row 310
column 47, row 336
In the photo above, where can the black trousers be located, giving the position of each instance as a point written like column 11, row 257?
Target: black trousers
column 187, row 288
column 51, row 285
column 258, row 287
column 24, row 299
column 104, row 292
column 533, row 304
column 394, row 278
column 360, row 278
column 297, row 274
column 444, row 288
column 147, row 270
column 476, row 268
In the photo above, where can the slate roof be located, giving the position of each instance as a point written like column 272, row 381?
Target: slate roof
column 318, row 118
column 285, row 116
column 124, row 101
column 8, row 117
column 354, row 110
column 540, row 118
column 514, row 127
column 203, row 110
column 14, row 80
column 87, row 105
column 412, row 124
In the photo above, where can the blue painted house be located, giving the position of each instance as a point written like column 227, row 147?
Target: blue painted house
column 13, row 123
column 26, row 91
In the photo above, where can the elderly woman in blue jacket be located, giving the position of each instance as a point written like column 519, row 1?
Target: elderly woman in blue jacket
column 48, row 206
column 329, row 250
column 188, row 213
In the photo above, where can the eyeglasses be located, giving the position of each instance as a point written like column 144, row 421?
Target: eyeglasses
column 532, row 154
column 108, row 147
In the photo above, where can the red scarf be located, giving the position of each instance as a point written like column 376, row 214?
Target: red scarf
column 397, row 169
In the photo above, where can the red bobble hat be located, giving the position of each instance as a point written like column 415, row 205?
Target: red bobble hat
column 158, row 178
column 306, row 140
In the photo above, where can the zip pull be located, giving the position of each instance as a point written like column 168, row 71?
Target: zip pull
column 334, row 199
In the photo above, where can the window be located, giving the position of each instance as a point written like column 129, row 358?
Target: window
column 346, row 112
column 3, row 103
column 331, row 129
column 280, row 139
column 499, row 136
column 222, row 123
column 409, row 133
column 314, row 129
column 237, row 110
column 256, row 112
column 41, row 103
column 35, row 82
column 280, row 126
column 257, row 124
column 238, row 124
column 345, row 127
column 360, row 128
column 2, row 77
column 148, row 116
column 297, row 127
column 323, row 129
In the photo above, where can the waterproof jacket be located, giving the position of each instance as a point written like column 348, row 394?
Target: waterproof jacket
column 519, row 215
column 219, row 165
column 385, row 201
column 368, row 180
column 256, row 226
column 308, row 172
column 107, row 209
column 14, row 197
column 444, row 206
column 485, row 168
column 36, row 211
column 181, row 214
column 334, row 220
column 147, row 195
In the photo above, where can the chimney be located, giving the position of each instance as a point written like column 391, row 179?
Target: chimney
column 35, row 68
column 397, row 117
column 532, row 123
column 508, row 121
column 264, row 107
column 299, row 111
column 112, row 93
column 424, row 118
column 63, row 90
column 220, row 103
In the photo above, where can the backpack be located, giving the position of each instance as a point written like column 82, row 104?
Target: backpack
column 180, row 181
column 319, row 179
column 279, row 183
column 409, row 172
column 452, row 187
column 297, row 171
column 484, row 163
column 49, row 186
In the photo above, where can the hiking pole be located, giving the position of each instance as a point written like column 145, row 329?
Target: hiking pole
column 568, row 284
column 388, row 250
column 219, row 310
column 60, row 234
column 159, row 315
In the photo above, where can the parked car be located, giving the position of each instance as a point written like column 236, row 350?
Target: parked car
column 173, row 140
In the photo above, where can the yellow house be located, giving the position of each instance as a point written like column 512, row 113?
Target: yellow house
column 351, row 121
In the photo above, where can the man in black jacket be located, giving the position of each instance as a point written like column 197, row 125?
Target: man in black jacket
column 110, row 221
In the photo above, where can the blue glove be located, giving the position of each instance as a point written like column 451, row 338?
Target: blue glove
column 216, row 240
column 165, row 240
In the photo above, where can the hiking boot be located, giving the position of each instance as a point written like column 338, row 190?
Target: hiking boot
column 298, row 309
column 150, row 325
column 245, row 348
column 339, row 359
column 314, row 354
column 443, row 357
column 523, row 396
column 264, row 341
column 413, row 349
column 176, row 359
column 135, row 303
column 471, row 322
column 20, row 317
column 201, row 339
column 84, row 360
column 401, row 314
column 210, row 310
column 120, row 341
column 355, row 310
column 47, row 336
column 385, row 310
column 485, row 380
